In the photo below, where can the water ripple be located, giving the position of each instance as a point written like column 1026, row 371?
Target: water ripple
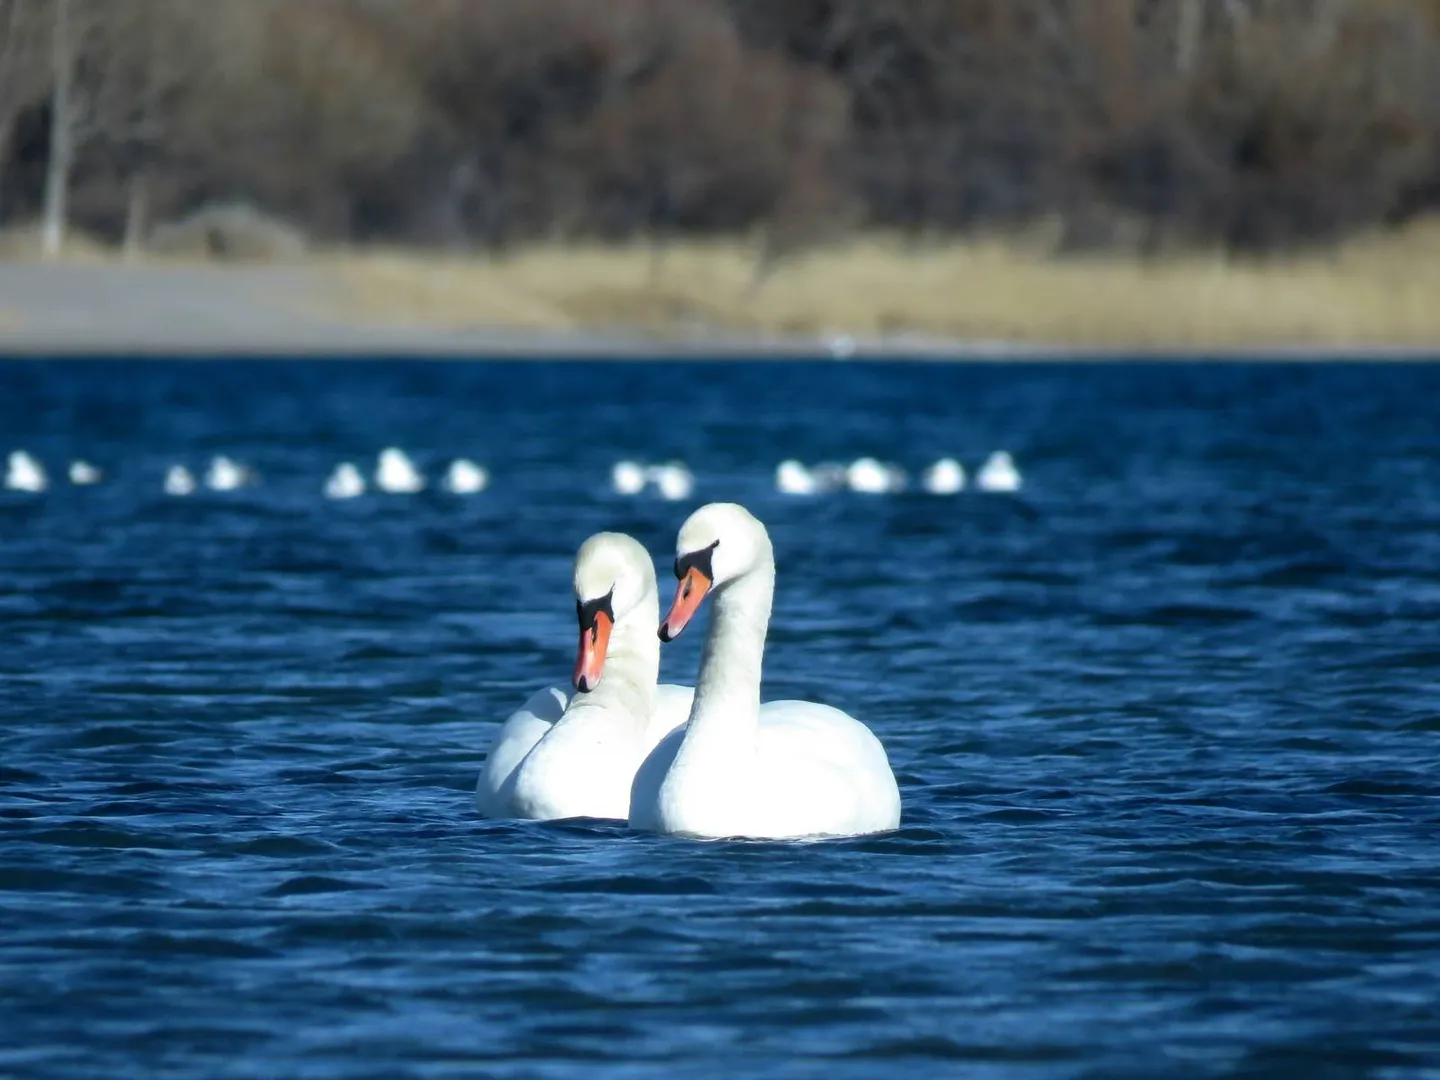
column 1164, row 724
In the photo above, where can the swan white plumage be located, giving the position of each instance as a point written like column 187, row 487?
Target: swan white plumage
column 178, row 481
column 24, row 473
column 396, row 473
column 870, row 477
column 226, row 475
column 672, row 480
column 627, row 478
column 345, row 482
column 82, row 474
column 944, row 477
column 564, row 756
column 785, row 770
column 998, row 473
column 793, row 478
column 464, row 477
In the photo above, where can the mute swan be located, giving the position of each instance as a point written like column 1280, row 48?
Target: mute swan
column 562, row 756
column 788, row 769
column 82, row 473
column 396, row 473
column 998, row 473
column 466, row 478
column 673, row 480
column 792, row 478
column 627, row 478
column 945, row 477
column 870, row 477
column 178, row 481
column 226, row 475
column 345, row 482
column 24, row 473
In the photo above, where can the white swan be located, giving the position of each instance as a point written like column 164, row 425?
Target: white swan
column 178, row 481
column 998, row 473
column 793, row 478
column 82, row 474
column 24, row 473
column 627, row 478
column 560, row 756
column 870, row 477
column 466, row 478
column 672, row 480
column 788, row 769
column 226, row 475
column 396, row 474
column 345, row 482
column 945, row 477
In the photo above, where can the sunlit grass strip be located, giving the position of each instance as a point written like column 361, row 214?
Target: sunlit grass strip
column 1379, row 290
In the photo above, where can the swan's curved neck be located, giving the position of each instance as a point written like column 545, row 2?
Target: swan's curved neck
column 632, row 665
column 727, row 693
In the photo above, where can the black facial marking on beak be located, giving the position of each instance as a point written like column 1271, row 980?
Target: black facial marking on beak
column 701, row 560
column 591, row 609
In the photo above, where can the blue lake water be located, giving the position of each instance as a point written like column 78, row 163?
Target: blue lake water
column 1166, row 726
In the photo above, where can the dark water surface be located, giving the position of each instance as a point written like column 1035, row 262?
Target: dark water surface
column 1167, row 728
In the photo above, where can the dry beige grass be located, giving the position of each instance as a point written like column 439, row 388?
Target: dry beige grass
column 22, row 243
column 1375, row 291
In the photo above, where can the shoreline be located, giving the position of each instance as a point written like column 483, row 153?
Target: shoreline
column 315, row 310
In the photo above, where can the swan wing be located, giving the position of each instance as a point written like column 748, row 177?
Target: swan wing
column 525, row 727
column 826, row 773
column 645, row 788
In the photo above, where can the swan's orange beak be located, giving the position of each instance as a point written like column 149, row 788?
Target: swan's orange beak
column 692, row 589
column 594, row 640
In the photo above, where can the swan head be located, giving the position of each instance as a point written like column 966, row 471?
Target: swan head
column 613, row 576
column 717, row 544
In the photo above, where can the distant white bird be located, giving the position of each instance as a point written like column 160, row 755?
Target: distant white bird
column 998, row 473
column 178, row 481
column 82, row 473
column 24, row 473
column 871, row 477
column 793, row 478
column 226, row 475
column 345, row 482
column 396, row 473
column 944, row 477
column 673, row 480
column 840, row 346
column 627, row 478
column 466, row 478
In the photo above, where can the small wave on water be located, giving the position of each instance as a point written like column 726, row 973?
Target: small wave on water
column 1164, row 721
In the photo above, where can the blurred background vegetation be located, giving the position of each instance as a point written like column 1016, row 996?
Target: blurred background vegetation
column 1252, row 123
column 1138, row 127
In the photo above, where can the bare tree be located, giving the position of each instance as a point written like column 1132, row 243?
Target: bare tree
column 64, row 51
